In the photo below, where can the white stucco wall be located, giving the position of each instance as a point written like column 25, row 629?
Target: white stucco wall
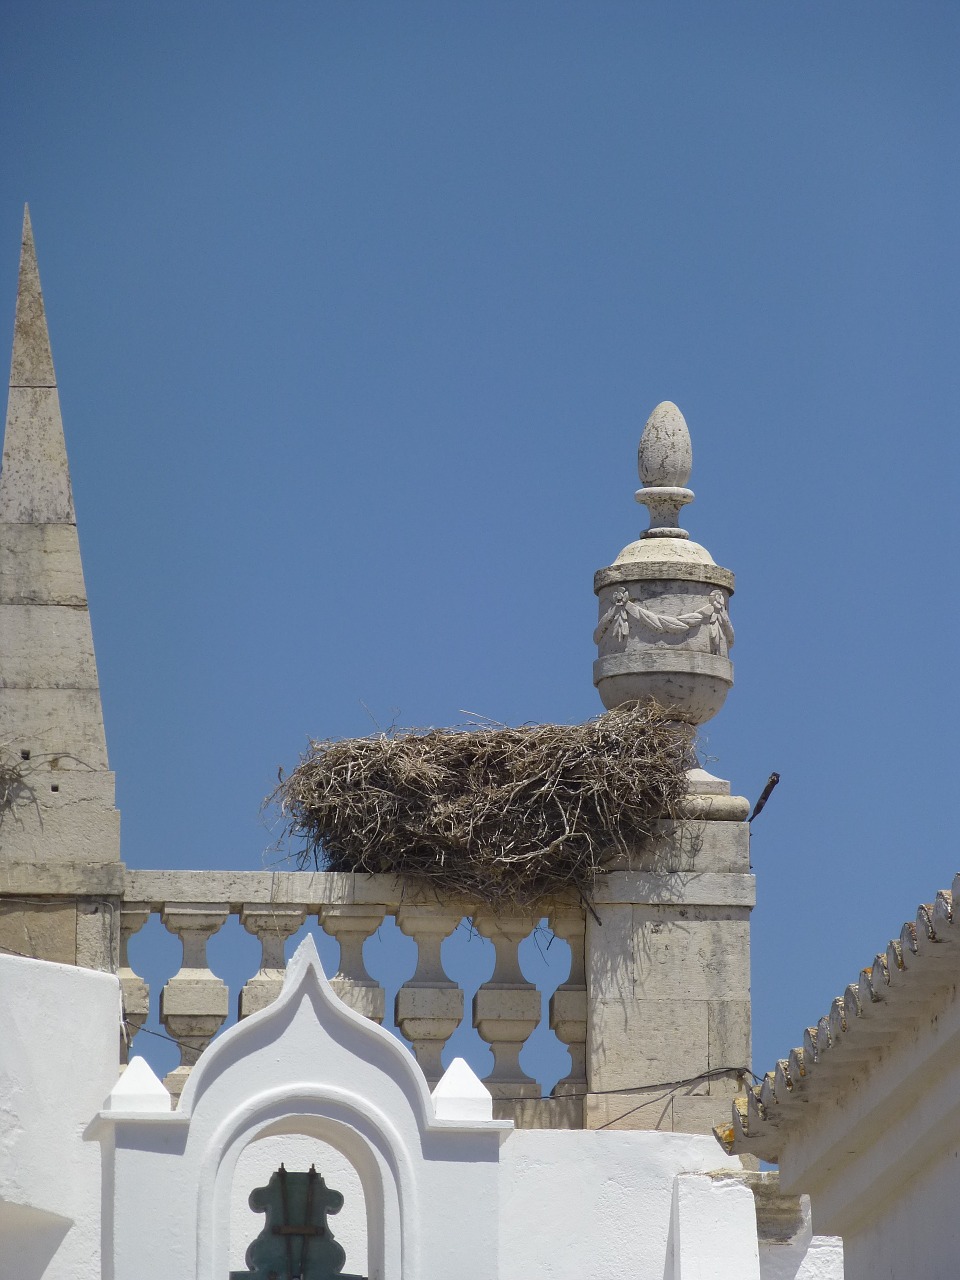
column 805, row 1256
column 576, row 1204
column 519, row 1204
column 879, row 1149
column 58, row 1061
column 914, row 1233
column 582, row 1203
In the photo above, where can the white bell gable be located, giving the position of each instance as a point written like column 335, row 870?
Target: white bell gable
column 307, row 1065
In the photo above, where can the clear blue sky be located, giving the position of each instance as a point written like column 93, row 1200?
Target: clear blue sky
column 358, row 309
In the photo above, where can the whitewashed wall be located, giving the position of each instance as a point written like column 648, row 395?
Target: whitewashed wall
column 59, row 1036
column 914, row 1233
column 879, row 1152
column 473, row 1195
column 584, row 1203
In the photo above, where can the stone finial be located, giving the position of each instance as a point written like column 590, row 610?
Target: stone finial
column 665, row 459
column 664, row 632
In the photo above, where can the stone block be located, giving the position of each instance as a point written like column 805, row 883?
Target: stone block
column 56, row 721
column 205, row 997
column 506, row 1013
column 309, row 889
column 444, row 1004
column 728, row 1033
column 35, row 481
column 648, row 1110
column 699, row 1114
column 378, row 890
column 638, row 1044
column 540, row 1113
column 257, row 993
column 678, row 888
column 42, row 932
column 691, row 954
column 95, row 936
column 713, row 807
column 47, row 647
column 609, row 953
column 704, row 846
column 227, row 887
column 568, row 1011
column 40, row 564
column 363, row 998
column 61, row 879
column 63, row 814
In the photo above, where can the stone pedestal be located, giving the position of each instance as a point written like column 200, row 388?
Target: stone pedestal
column 668, row 981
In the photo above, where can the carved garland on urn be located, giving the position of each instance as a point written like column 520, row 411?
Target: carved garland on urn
column 713, row 614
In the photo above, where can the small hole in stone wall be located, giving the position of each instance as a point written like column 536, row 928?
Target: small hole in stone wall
column 24, row 754
column 54, row 786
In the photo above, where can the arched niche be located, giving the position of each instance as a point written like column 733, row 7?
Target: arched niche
column 364, row 1142
column 297, row 1152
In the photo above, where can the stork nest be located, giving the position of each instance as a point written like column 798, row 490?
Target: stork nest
column 509, row 816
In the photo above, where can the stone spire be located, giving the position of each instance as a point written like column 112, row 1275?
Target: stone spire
column 61, row 809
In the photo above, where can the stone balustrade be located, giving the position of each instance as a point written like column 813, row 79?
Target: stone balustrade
column 194, row 1002
column 654, row 1013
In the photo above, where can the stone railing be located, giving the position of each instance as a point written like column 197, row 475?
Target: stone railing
column 194, row 1003
column 661, row 960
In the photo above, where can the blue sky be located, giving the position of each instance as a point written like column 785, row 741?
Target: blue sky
column 358, row 310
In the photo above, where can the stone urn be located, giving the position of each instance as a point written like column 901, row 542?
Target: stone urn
column 664, row 632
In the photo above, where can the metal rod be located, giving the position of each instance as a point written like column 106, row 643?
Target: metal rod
column 286, row 1221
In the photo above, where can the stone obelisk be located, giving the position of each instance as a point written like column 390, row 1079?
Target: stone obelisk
column 59, row 827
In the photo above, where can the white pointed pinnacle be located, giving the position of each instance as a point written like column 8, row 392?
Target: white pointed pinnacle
column 461, row 1095
column 138, row 1089
column 664, row 460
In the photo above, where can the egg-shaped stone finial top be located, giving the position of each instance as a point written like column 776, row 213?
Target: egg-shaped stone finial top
column 665, row 456
column 665, row 459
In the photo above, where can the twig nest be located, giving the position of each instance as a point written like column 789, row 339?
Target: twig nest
column 507, row 816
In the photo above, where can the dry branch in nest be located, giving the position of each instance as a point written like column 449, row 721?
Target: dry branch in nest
column 12, row 778
column 509, row 816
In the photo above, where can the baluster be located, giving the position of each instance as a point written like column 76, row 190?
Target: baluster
column 134, row 992
column 506, row 1010
column 351, row 925
column 193, row 1004
column 273, row 925
column 568, row 1004
column 429, row 1007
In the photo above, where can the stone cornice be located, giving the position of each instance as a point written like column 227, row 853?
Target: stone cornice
column 665, row 571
